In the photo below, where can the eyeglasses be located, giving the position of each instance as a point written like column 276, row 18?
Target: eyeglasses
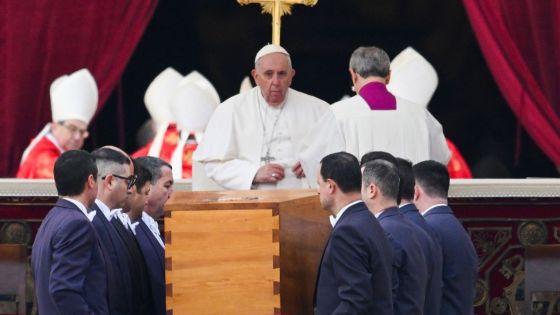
column 75, row 130
column 130, row 180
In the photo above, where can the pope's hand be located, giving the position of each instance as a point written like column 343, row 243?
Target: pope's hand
column 298, row 170
column 269, row 173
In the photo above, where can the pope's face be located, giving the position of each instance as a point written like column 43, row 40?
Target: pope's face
column 273, row 74
column 70, row 133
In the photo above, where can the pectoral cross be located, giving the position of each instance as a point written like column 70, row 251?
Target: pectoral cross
column 277, row 8
column 267, row 158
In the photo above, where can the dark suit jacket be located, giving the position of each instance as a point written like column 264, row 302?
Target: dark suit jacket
column 141, row 294
column 68, row 266
column 460, row 262
column 154, row 257
column 434, row 258
column 355, row 270
column 120, row 294
column 409, row 273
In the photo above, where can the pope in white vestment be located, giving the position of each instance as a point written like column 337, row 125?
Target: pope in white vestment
column 376, row 120
column 270, row 136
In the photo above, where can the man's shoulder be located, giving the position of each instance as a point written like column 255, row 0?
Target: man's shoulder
column 143, row 232
column 443, row 221
column 66, row 209
column 359, row 218
column 306, row 99
column 440, row 212
column 407, row 107
column 343, row 104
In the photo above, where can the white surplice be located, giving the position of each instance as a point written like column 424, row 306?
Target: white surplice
column 234, row 141
column 409, row 132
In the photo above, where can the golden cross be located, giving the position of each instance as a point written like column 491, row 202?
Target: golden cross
column 277, row 8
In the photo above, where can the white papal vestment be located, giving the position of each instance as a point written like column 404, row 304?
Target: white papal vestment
column 235, row 141
column 409, row 132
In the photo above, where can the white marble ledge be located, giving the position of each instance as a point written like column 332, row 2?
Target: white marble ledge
column 505, row 188
column 12, row 187
column 460, row 188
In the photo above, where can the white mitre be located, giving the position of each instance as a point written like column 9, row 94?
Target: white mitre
column 192, row 106
column 245, row 85
column 158, row 94
column 201, row 81
column 270, row 49
column 74, row 96
column 412, row 77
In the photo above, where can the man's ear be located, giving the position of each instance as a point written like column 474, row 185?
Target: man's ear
column 90, row 184
column 254, row 75
column 388, row 78
column 372, row 191
column 353, row 75
column 417, row 192
column 331, row 185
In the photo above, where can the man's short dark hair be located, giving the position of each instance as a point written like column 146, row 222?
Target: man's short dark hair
column 378, row 155
column 110, row 154
column 384, row 156
column 407, row 178
column 370, row 62
column 110, row 161
column 71, row 172
column 384, row 175
column 433, row 177
column 344, row 169
column 153, row 165
column 143, row 175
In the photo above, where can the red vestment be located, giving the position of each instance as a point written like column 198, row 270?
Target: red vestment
column 188, row 151
column 39, row 163
column 168, row 146
column 457, row 166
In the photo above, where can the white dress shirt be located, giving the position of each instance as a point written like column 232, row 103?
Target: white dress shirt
column 108, row 213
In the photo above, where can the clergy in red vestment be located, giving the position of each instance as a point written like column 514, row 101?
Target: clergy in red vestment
column 156, row 99
column 73, row 103
column 413, row 78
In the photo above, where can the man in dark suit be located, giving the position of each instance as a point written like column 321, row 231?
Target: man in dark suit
column 409, row 268
column 460, row 262
column 68, row 265
column 355, row 270
column 125, row 223
column 116, row 178
column 147, row 231
column 427, row 238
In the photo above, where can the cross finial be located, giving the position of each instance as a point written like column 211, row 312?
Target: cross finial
column 277, row 8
